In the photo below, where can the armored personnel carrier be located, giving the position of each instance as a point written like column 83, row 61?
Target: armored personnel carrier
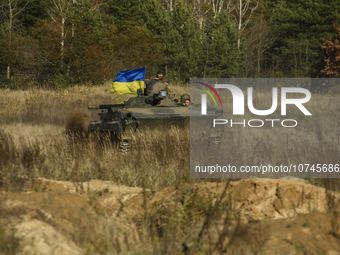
column 157, row 110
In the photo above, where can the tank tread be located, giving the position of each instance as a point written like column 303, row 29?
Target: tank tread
column 124, row 146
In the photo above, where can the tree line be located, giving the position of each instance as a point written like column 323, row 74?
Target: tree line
column 58, row 43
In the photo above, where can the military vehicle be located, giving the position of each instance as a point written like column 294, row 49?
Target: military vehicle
column 157, row 109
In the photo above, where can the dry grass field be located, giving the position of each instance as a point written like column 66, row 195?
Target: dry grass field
column 33, row 141
column 34, row 145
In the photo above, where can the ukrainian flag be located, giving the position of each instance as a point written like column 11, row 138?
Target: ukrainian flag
column 127, row 82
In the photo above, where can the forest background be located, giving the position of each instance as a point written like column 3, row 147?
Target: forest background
column 60, row 43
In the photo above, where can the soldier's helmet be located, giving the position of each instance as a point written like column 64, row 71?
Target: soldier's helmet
column 184, row 97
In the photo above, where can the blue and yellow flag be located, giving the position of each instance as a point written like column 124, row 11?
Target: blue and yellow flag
column 127, row 82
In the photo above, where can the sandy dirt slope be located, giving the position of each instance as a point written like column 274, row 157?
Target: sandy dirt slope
column 51, row 217
column 44, row 223
column 253, row 200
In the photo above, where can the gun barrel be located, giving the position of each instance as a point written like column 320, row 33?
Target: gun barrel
column 104, row 106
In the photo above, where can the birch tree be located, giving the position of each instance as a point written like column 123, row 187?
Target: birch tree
column 244, row 10
column 169, row 4
column 202, row 8
column 217, row 6
column 58, row 13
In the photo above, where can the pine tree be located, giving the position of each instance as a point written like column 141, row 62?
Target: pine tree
column 35, row 12
column 182, row 44
column 301, row 28
column 220, row 55
column 126, row 12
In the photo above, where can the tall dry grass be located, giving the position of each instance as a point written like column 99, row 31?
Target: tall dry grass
column 162, row 158
column 33, row 144
column 38, row 118
column 33, row 130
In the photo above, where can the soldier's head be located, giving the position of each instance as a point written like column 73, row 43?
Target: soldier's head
column 159, row 74
column 185, row 97
column 187, row 102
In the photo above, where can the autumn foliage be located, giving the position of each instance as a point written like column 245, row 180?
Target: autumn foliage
column 62, row 43
column 332, row 48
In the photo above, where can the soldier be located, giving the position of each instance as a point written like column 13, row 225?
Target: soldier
column 159, row 75
column 185, row 100
column 151, row 87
